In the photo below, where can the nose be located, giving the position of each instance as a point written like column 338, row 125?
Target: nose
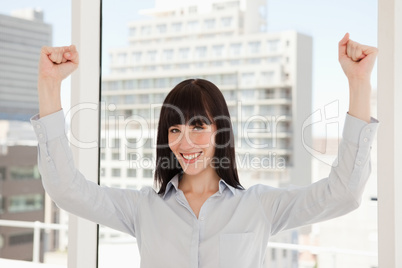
column 185, row 141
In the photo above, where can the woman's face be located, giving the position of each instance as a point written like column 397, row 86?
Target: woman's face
column 193, row 146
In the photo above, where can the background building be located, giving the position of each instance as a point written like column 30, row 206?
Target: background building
column 265, row 78
column 21, row 37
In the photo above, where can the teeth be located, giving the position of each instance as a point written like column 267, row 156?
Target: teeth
column 190, row 156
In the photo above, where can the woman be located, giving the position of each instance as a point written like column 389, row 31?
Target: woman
column 201, row 215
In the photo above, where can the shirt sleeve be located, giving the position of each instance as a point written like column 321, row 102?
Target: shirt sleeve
column 336, row 195
column 68, row 188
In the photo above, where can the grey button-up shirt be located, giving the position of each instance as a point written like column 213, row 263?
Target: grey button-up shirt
column 234, row 225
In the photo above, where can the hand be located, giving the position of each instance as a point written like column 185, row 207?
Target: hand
column 57, row 63
column 357, row 60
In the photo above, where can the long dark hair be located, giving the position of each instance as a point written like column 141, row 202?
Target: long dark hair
column 195, row 100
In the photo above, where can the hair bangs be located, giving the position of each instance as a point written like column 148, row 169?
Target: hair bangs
column 187, row 105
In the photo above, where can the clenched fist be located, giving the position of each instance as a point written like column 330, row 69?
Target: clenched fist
column 55, row 64
column 357, row 60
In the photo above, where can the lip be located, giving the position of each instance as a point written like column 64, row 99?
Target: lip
column 190, row 161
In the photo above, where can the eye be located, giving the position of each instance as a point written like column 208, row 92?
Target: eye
column 198, row 127
column 174, row 130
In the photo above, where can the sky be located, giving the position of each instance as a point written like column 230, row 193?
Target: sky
column 325, row 20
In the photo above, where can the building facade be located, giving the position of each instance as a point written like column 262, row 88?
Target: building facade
column 21, row 37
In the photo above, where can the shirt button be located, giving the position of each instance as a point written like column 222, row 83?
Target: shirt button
column 365, row 140
column 368, row 130
column 38, row 126
column 48, row 158
column 359, row 162
column 202, row 218
column 41, row 136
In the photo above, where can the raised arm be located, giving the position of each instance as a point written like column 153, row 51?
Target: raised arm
column 357, row 62
column 66, row 185
column 341, row 192
column 55, row 64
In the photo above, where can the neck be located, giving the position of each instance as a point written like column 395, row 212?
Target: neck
column 204, row 182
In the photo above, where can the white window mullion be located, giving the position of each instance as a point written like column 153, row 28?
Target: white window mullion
column 82, row 246
column 390, row 133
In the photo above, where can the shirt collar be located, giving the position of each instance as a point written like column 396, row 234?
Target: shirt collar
column 174, row 182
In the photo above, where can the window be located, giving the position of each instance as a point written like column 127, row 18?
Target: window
column 226, row 21
column 176, row 27
column 116, row 172
column 146, row 30
column 24, row 173
column 133, row 31
column 209, row 23
column 254, row 47
column 25, row 203
column 273, row 45
column 147, row 173
column 184, row 53
column 192, row 25
column 218, row 50
column 136, row 57
column 131, row 173
column 201, row 52
column 161, row 28
column 168, row 54
column 235, row 49
column 151, row 55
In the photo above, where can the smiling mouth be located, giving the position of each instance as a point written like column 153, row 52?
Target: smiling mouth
column 191, row 157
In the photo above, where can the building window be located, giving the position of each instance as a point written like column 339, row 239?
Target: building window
column 235, row 49
column 217, row 50
column 145, row 83
column 226, row 21
column 116, row 143
column 273, row 45
column 229, row 95
column 184, row 53
column 254, row 47
column 161, row 28
column 267, row 78
column 192, row 25
column 201, row 52
column 136, row 57
column 162, row 82
column 116, row 172
column 152, row 55
column 229, row 79
column 147, row 173
column 24, row 173
column 247, row 94
column 131, row 173
column 168, row 54
column 146, row 30
column 24, row 203
column 247, row 79
column 176, row 27
column 102, row 172
column 209, row 23
column 121, row 58
column 2, row 204
column 115, row 156
column 19, row 239
column 133, row 31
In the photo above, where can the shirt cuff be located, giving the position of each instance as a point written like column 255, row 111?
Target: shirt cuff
column 48, row 127
column 358, row 131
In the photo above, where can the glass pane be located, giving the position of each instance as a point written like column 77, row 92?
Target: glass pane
column 24, row 28
column 258, row 54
